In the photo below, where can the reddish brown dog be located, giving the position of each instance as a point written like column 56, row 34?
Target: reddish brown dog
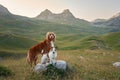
column 41, row 48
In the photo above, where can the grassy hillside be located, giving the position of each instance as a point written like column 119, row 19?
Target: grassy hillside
column 112, row 40
column 82, row 42
column 64, row 42
column 79, row 41
column 11, row 41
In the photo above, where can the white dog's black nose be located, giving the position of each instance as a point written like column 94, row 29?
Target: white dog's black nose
column 53, row 52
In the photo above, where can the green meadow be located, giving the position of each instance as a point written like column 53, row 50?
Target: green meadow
column 91, row 56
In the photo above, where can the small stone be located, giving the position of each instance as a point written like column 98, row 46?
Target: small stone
column 116, row 64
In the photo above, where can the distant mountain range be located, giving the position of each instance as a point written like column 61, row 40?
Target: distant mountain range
column 64, row 23
column 114, row 21
column 66, row 17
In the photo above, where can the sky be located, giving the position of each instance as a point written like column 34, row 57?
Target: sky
column 83, row 9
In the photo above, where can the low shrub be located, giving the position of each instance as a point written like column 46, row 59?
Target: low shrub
column 4, row 71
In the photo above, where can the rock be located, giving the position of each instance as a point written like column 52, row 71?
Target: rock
column 60, row 64
column 116, row 64
column 81, row 57
column 40, row 67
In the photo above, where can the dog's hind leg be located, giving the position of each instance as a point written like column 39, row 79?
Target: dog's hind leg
column 35, row 60
column 29, row 60
column 30, row 63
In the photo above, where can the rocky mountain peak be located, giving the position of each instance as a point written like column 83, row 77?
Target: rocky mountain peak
column 66, row 17
column 46, row 11
column 3, row 10
column 67, row 13
column 45, row 14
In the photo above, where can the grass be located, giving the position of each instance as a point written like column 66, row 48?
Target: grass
column 64, row 42
column 11, row 41
column 4, row 71
column 82, row 41
column 112, row 40
column 91, row 56
column 88, row 64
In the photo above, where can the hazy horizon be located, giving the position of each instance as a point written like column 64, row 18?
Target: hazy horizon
column 83, row 9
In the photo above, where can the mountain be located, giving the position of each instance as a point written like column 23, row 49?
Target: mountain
column 48, row 15
column 35, row 28
column 98, row 21
column 66, row 17
column 4, row 11
column 5, row 14
column 114, row 21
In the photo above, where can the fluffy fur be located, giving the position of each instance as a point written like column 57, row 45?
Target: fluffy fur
column 41, row 48
column 51, row 36
column 52, row 57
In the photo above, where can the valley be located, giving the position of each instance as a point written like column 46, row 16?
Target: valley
column 90, row 47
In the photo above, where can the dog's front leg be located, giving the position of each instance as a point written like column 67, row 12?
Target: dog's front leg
column 44, row 59
column 50, row 60
column 54, row 61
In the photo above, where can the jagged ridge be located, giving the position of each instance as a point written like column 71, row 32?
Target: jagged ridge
column 66, row 17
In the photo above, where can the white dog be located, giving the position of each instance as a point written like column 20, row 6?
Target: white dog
column 52, row 57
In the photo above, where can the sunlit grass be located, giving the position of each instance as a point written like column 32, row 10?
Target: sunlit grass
column 88, row 65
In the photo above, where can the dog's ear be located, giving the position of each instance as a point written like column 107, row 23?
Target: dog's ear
column 47, row 35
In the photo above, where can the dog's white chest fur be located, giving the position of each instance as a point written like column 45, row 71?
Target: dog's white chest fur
column 52, row 44
column 52, row 55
